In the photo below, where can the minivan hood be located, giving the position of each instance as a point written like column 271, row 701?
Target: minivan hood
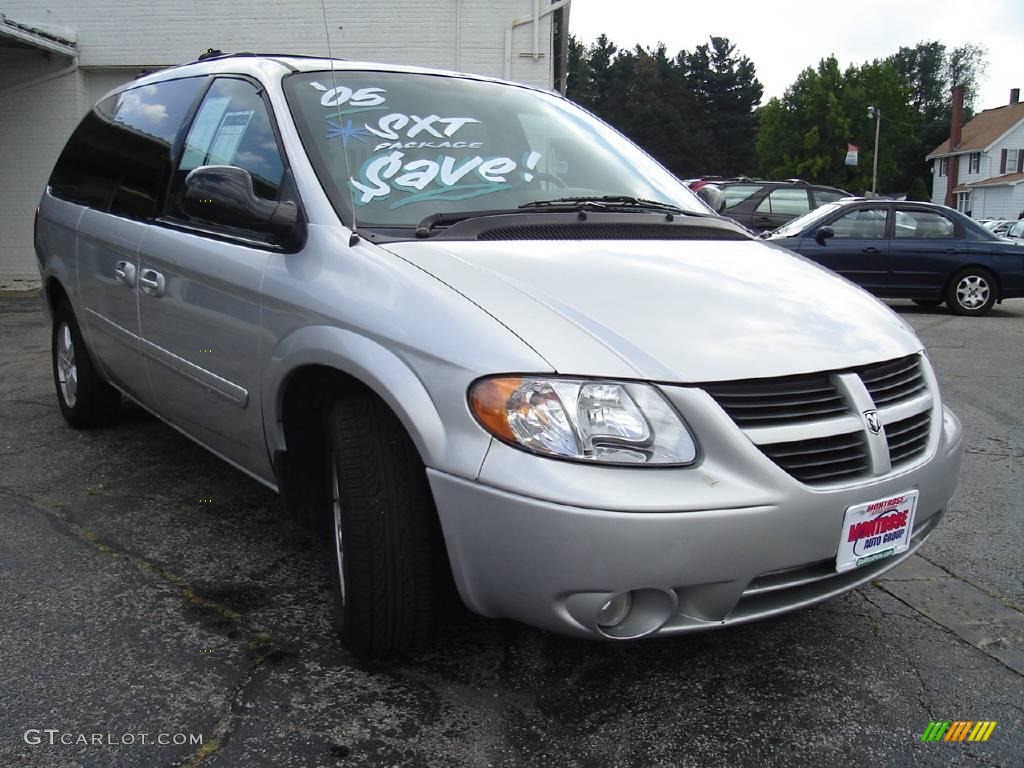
column 674, row 311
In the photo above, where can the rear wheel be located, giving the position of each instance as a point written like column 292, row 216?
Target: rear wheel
column 383, row 527
column 972, row 291
column 85, row 399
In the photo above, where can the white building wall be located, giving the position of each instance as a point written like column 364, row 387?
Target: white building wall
column 119, row 38
column 142, row 33
column 938, row 183
column 34, row 123
column 1005, row 202
column 1013, row 140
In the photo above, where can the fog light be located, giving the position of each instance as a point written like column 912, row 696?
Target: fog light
column 615, row 610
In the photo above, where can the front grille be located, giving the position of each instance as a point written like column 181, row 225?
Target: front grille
column 895, row 381
column 811, row 428
column 823, row 459
column 770, row 402
column 908, row 438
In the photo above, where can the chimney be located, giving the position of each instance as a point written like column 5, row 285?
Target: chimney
column 955, row 130
column 1014, row 96
column 955, row 125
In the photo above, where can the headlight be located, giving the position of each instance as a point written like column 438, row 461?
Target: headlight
column 601, row 421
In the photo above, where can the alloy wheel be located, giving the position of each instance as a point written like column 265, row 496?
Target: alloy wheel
column 339, row 549
column 67, row 368
column 972, row 291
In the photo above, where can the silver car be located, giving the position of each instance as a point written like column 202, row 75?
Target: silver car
column 469, row 329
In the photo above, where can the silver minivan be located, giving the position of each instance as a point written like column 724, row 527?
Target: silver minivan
column 477, row 335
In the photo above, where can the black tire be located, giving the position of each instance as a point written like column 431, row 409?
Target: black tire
column 384, row 584
column 959, row 296
column 928, row 303
column 90, row 401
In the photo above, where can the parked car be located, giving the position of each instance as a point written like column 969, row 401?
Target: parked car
column 697, row 183
column 920, row 251
column 997, row 226
column 462, row 326
column 764, row 205
column 1015, row 232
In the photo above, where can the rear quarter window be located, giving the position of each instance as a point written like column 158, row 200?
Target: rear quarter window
column 119, row 157
column 737, row 193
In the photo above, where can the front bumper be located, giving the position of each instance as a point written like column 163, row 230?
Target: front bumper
column 732, row 540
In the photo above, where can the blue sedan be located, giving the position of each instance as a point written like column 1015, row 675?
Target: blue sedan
column 928, row 253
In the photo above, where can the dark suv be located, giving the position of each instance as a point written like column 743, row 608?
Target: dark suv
column 761, row 205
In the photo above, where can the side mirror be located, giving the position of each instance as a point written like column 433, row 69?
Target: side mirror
column 713, row 197
column 224, row 195
column 823, row 234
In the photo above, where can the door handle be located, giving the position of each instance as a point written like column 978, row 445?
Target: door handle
column 871, row 249
column 952, row 250
column 124, row 273
column 152, row 282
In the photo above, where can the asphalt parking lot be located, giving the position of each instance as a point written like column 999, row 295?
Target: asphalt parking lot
column 147, row 588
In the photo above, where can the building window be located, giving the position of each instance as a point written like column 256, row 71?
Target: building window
column 1011, row 160
column 974, row 162
column 944, row 166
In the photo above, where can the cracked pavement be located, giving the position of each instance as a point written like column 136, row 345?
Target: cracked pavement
column 149, row 588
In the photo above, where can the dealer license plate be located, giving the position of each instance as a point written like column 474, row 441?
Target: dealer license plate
column 876, row 530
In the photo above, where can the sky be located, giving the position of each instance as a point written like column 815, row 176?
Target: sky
column 786, row 36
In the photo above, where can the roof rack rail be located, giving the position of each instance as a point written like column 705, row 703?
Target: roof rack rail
column 212, row 54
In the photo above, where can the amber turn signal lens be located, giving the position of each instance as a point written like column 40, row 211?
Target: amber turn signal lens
column 488, row 400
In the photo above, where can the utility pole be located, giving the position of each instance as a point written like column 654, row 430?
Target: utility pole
column 876, row 114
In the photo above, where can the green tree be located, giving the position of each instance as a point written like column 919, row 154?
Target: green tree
column 693, row 112
column 806, row 132
column 965, row 66
column 919, row 190
column 728, row 91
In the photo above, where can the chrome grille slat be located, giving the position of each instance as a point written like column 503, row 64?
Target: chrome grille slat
column 784, row 400
column 852, row 444
column 805, row 401
column 914, row 378
column 894, row 381
column 876, row 371
column 792, row 415
column 821, row 458
column 826, row 462
column 908, row 438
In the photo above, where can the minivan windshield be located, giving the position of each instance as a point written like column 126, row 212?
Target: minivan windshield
column 420, row 144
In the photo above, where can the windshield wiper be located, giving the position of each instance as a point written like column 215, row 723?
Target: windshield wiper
column 611, row 202
column 427, row 223
column 561, row 204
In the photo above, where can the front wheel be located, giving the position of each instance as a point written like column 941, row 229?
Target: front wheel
column 972, row 291
column 85, row 399
column 383, row 526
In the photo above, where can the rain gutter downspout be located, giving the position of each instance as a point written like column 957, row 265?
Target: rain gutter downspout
column 538, row 14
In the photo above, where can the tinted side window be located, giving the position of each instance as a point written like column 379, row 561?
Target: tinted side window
column 861, row 223
column 88, row 169
column 119, row 157
column 822, row 196
column 148, row 120
column 923, row 225
column 785, row 201
column 233, row 127
column 737, row 193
